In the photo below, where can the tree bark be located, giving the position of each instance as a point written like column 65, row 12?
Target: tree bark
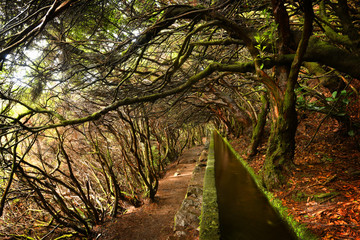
column 258, row 130
column 281, row 144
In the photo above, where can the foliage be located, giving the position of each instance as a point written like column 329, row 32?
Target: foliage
column 98, row 96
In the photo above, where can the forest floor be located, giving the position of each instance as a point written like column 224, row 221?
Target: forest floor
column 323, row 190
column 155, row 220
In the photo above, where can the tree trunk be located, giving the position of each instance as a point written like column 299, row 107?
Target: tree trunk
column 281, row 147
column 258, row 130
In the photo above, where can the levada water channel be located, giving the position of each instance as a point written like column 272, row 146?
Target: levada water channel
column 244, row 211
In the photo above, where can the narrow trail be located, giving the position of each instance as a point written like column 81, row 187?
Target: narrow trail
column 155, row 221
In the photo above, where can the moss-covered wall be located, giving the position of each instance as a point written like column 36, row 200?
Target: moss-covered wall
column 209, row 224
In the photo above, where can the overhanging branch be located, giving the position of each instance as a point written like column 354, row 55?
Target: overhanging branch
column 317, row 51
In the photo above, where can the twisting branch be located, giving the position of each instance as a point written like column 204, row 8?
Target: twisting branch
column 34, row 29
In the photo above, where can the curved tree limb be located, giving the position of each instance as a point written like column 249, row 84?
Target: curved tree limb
column 34, row 29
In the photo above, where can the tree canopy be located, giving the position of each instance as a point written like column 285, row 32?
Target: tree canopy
column 119, row 88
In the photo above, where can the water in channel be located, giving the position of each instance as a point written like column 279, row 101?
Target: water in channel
column 244, row 212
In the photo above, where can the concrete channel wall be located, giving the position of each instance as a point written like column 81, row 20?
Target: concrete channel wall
column 209, row 223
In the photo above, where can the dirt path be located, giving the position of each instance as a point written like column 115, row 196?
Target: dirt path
column 155, row 221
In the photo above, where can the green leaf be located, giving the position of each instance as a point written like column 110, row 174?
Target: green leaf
column 346, row 101
column 334, row 94
column 351, row 133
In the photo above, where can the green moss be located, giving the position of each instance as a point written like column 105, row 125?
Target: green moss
column 299, row 197
column 66, row 236
column 319, row 197
column 209, row 224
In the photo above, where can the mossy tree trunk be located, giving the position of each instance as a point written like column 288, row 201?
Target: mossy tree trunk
column 281, row 144
column 258, row 130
